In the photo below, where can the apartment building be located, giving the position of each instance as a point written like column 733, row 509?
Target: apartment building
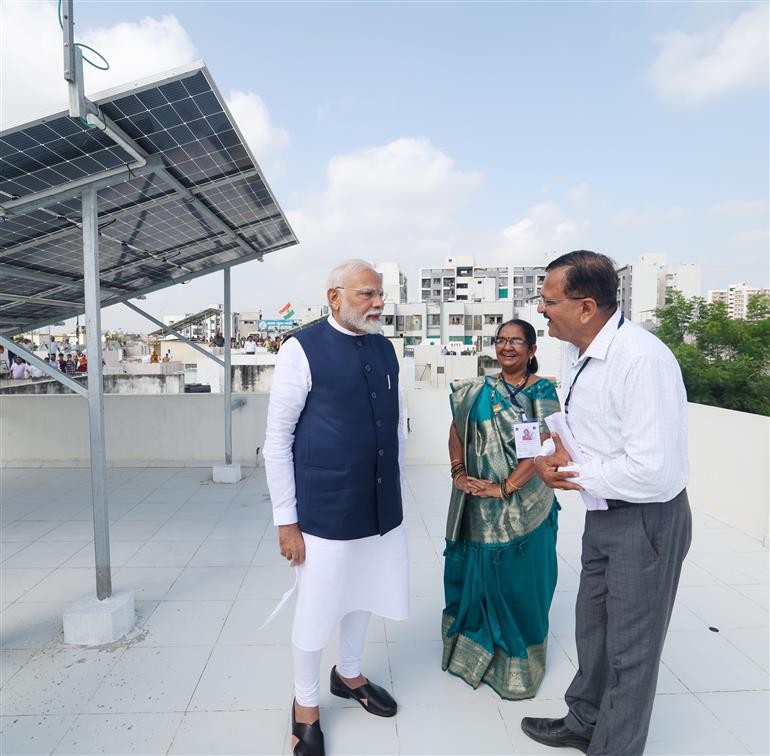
column 736, row 296
column 461, row 280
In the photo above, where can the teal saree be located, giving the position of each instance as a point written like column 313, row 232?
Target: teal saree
column 500, row 559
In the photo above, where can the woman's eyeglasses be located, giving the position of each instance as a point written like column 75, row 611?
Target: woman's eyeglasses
column 515, row 341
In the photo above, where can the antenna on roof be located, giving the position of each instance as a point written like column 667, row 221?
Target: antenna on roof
column 73, row 61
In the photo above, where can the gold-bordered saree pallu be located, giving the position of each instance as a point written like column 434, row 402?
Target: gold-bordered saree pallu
column 500, row 567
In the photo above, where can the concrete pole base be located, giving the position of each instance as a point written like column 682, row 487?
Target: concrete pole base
column 226, row 473
column 90, row 622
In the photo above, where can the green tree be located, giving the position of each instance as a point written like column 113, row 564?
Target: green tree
column 725, row 362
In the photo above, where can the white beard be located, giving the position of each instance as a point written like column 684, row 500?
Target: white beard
column 356, row 322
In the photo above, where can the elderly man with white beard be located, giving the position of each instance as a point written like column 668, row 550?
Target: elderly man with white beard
column 334, row 454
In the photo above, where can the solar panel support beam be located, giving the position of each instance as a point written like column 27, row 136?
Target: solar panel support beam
column 228, row 387
column 96, row 393
column 33, row 359
column 73, row 189
column 174, row 332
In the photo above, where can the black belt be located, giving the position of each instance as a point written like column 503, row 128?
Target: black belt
column 621, row 504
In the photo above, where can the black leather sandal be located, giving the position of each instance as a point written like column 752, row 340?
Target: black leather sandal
column 373, row 698
column 310, row 737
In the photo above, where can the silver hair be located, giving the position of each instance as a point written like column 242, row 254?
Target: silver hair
column 341, row 272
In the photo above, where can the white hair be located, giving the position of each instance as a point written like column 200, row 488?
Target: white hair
column 341, row 272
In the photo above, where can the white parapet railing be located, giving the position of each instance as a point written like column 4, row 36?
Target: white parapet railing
column 729, row 450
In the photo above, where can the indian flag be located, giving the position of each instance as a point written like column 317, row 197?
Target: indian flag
column 286, row 311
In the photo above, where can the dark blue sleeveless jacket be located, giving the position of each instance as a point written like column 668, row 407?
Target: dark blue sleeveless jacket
column 346, row 440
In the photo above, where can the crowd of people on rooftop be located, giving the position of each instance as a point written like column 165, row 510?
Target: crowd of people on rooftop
column 14, row 367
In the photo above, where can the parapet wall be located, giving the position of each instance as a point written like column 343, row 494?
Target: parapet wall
column 728, row 450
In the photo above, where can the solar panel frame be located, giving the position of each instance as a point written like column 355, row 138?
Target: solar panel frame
column 151, row 237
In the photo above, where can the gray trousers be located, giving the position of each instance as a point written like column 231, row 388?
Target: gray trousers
column 631, row 562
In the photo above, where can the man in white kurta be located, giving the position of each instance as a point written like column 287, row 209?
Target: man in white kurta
column 342, row 576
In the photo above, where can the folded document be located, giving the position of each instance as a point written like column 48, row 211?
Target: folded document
column 557, row 423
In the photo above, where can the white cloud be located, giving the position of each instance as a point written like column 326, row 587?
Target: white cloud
column 753, row 236
column 31, row 79
column 692, row 68
column 265, row 139
column 629, row 216
column 738, row 208
column 544, row 230
column 579, row 195
column 393, row 202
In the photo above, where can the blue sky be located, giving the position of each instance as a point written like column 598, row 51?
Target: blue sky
column 504, row 130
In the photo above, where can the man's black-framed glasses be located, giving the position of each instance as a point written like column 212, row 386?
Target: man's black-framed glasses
column 367, row 293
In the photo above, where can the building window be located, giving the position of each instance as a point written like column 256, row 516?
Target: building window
column 400, row 323
column 412, row 340
column 388, row 320
column 462, row 286
column 456, row 320
column 434, row 320
column 518, row 303
column 503, row 293
column 493, row 319
column 518, row 280
column 414, row 322
column 465, row 272
column 477, row 322
column 529, row 279
column 437, row 282
column 540, row 332
column 439, row 369
column 457, row 338
column 462, row 297
column 426, row 283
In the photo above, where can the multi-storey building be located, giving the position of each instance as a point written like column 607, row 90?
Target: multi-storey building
column 736, row 296
column 460, row 280
column 394, row 282
column 644, row 285
column 527, row 281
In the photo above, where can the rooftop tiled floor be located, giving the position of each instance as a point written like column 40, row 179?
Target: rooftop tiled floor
column 196, row 676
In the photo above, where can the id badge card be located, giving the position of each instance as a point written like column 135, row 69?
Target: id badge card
column 526, row 437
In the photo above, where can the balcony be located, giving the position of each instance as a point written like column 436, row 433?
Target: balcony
column 196, row 676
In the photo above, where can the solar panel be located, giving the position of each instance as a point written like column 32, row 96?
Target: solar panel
column 209, row 204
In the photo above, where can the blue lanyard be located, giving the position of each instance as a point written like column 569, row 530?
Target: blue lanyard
column 518, row 390
column 582, row 368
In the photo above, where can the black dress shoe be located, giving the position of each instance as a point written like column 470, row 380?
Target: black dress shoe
column 553, row 732
column 310, row 737
column 373, row 698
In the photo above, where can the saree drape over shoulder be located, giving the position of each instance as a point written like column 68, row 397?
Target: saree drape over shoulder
column 500, row 568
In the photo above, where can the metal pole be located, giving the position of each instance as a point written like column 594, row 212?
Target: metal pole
column 228, row 378
column 95, row 393
column 174, row 332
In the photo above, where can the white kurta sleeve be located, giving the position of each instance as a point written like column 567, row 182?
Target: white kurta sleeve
column 291, row 385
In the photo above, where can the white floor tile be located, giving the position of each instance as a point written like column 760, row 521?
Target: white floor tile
column 185, row 623
column 26, row 530
column 717, row 741
column 752, row 642
column 426, row 580
column 183, row 530
column 424, row 623
column 245, row 677
column 722, row 607
column 722, row 541
column 745, row 713
column 422, row 551
column 143, row 733
column 32, row 625
column 15, row 584
column 704, row 661
column 151, row 680
column 33, row 735
column 11, row 661
column 9, row 548
column 514, row 711
column 57, row 681
column 349, row 730
column 232, row 732
column 736, row 568
column 245, row 618
column 207, row 584
column 163, row 554
column 224, row 554
column 418, row 677
column 120, row 553
column 759, row 594
column 71, row 530
column 147, row 583
column 238, row 530
column 439, row 729
column 268, row 553
column 266, row 581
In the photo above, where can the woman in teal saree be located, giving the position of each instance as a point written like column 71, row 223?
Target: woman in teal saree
column 500, row 567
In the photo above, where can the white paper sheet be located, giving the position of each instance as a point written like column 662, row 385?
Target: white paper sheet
column 557, row 423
